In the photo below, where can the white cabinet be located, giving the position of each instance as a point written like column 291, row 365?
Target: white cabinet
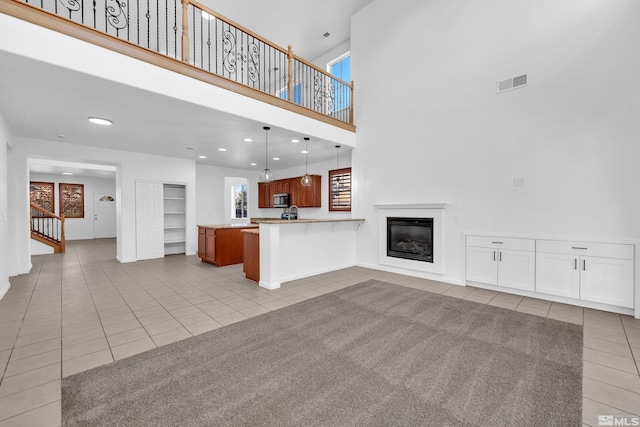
column 501, row 262
column 595, row 272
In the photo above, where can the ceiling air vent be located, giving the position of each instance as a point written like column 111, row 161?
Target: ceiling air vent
column 510, row 84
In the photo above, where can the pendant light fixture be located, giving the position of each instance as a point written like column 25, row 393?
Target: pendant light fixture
column 337, row 181
column 306, row 179
column 266, row 175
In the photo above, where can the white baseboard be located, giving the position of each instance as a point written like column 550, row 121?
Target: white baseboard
column 125, row 260
column 413, row 273
column 315, row 272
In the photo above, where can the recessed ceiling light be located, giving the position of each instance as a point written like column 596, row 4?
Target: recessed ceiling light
column 276, row 158
column 202, row 157
column 100, row 121
column 248, row 140
column 304, row 152
column 222, row 149
column 67, row 173
column 61, row 136
column 190, row 148
column 254, row 164
column 327, row 34
column 295, row 140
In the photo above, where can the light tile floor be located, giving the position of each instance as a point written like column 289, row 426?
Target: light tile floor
column 83, row 309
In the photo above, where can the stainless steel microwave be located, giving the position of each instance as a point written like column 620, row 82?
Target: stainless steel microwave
column 281, row 200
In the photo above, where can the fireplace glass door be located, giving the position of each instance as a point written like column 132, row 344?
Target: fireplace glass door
column 410, row 238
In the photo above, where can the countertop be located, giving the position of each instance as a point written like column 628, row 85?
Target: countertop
column 219, row 226
column 251, row 231
column 303, row 221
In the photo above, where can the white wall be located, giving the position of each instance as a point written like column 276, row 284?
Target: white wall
column 432, row 129
column 329, row 56
column 212, row 197
column 131, row 167
column 5, row 145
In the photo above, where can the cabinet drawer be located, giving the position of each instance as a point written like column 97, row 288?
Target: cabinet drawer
column 605, row 250
column 211, row 231
column 502, row 243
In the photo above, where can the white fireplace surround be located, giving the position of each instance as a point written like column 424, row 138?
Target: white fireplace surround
column 418, row 210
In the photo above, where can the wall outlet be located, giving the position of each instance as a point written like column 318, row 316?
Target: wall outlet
column 518, row 182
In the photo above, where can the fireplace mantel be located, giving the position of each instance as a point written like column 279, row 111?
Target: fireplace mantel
column 411, row 205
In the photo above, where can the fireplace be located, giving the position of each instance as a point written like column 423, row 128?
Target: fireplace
column 410, row 238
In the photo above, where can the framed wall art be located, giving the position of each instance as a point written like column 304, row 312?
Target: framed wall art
column 72, row 200
column 42, row 195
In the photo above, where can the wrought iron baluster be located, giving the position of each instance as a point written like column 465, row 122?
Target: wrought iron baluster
column 175, row 28
column 138, row 21
column 158, row 25
column 209, row 45
column 148, row 16
column 166, row 27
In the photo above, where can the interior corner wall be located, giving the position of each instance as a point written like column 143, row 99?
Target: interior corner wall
column 5, row 141
column 131, row 167
column 431, row 127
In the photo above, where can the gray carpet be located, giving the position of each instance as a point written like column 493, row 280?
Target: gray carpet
column 374, row 354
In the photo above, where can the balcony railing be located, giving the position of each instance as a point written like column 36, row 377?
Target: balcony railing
column 189, row 32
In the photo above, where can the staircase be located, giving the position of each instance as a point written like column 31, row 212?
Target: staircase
column 47, row 228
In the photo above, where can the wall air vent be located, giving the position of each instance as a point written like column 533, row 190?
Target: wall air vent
column 510, row 84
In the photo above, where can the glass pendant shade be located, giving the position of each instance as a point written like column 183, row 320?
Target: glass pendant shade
column 337, row 182
column 266, row 175
column 306, row 179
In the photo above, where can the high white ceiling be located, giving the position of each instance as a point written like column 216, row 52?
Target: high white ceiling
column 299, row 23
column 42, row 101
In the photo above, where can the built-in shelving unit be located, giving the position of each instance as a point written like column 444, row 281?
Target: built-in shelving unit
column 174, row 219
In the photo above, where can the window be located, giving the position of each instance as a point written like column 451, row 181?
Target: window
column 239, row 197
column 340, row 190
column 341, row 68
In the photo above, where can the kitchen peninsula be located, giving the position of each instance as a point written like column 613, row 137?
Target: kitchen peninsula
column 293, row 249
column 221, row 244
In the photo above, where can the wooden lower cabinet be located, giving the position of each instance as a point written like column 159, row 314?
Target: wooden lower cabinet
column 219, row 245
column 251, row 249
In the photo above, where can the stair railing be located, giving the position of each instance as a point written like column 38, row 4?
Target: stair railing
column 47, row 226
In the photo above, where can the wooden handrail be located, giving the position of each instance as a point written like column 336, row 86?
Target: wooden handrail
column 235, row 24
column 45, row 212
column 320, row 70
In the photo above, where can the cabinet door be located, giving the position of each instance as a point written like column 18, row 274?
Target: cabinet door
column 607, row 281
column 557, row 274
column 516, row 269
column 202, row 244
column 210, row 244
column 149, row 220
column 482, row 265
column 294, row 191
column 264, row 195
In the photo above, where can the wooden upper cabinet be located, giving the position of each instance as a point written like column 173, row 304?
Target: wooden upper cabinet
column 265, row 200
column 310, row 197
column 303, row 197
